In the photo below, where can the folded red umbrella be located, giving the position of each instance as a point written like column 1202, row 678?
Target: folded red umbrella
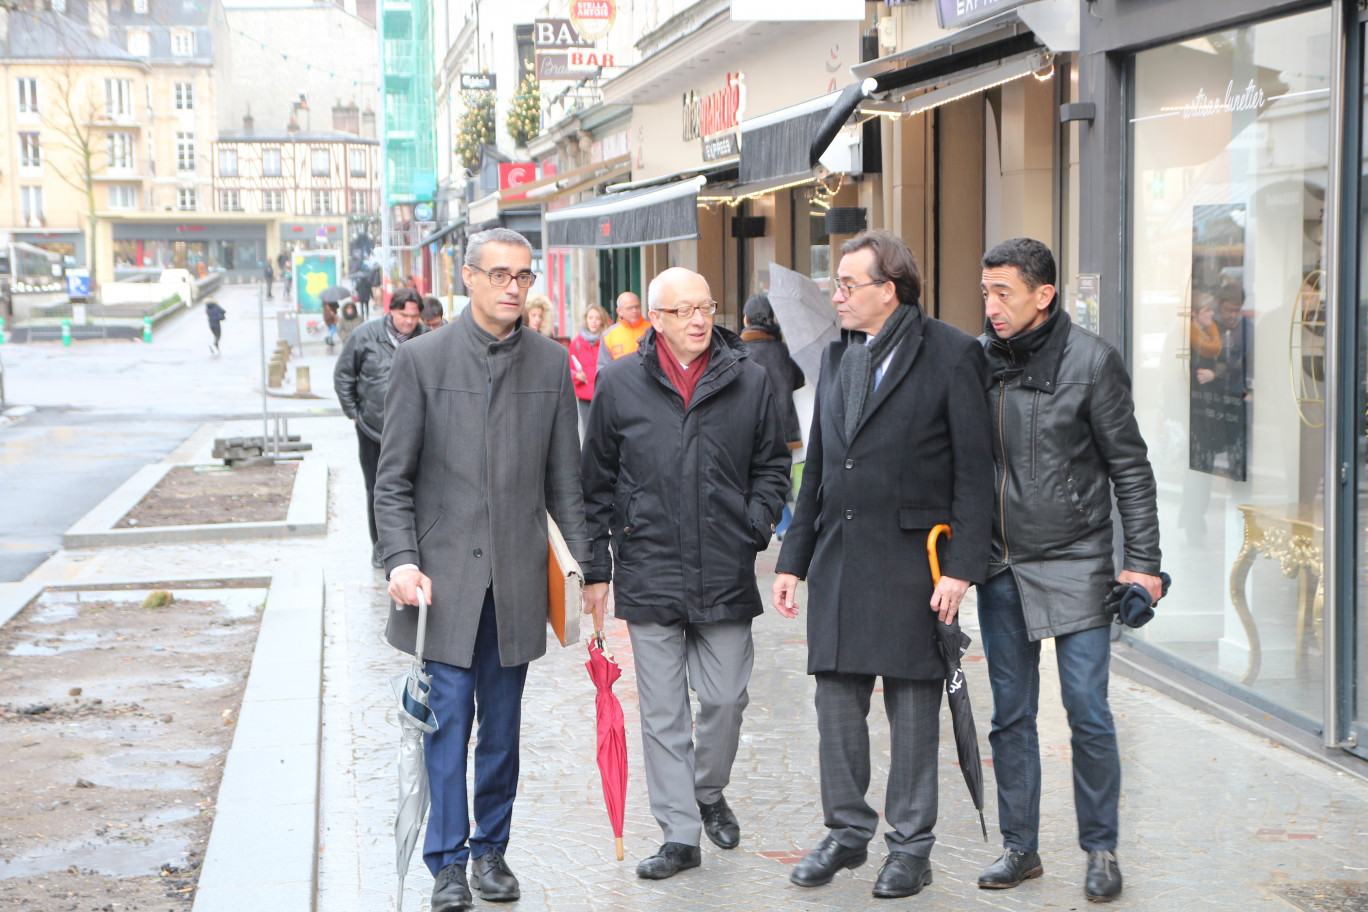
column 612, row 735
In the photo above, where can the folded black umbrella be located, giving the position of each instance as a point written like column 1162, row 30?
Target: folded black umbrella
column 953, row 642
column 1131, row 601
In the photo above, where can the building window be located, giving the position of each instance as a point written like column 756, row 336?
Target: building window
column 139, row 44
column 357, row 159
column 322, row 202
column 58, row 6
column 140, row 6
column 118, row 97
column 185, row 96
column 1229, row 135
column 30, row 155
column 228, row 162
column 230, row 201
column 321, row 163
column 123, row 196
column 119, row 147
column 273, row 201
column 28, row 95
column 186, row 199
column 185, row 151
column 31, row 206
column 182, row 43
column 358, row 202
column 270, row 161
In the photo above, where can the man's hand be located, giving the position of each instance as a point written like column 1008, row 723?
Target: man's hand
column 1152, row 584
column 404, row 586
column 1205, row 375
column 596, row 602
column 945, row 601
column 785, row 588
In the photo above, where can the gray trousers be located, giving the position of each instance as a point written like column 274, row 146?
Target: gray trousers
column 913, row 709
column 687, row 762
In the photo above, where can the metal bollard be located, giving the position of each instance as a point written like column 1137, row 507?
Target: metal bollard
column 66, row 331
column 147, row 329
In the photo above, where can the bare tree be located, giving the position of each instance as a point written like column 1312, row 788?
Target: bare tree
column 77, row 111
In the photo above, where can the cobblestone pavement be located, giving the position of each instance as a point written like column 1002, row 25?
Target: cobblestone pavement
column 1213, row 817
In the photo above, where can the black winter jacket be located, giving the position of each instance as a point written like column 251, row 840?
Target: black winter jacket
column 1064, row 437
column 686, row 498
column 771, row 353
column 361, row 376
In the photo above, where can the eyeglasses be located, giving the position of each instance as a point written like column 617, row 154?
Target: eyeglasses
column 687, row 311
column 848, row 288
column 501, row 279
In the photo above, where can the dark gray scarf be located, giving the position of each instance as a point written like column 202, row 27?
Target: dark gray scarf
column 858, row 362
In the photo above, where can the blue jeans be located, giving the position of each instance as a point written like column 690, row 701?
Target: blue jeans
column 491, row 694
column 1014, row 671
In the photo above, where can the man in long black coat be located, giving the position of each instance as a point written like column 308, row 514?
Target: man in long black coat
column 899, row 444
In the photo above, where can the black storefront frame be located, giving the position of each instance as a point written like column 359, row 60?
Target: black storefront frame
column 1113, row 32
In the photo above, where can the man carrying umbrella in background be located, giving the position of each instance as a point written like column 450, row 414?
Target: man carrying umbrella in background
column 468, row 527
column 899, row 444
column 1067, row 436
column 685, row 469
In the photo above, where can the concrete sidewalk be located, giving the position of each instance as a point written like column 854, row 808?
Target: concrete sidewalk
column 1212, row 816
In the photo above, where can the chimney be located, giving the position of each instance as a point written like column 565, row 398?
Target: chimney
column 292, row 126
column 368, row 124
column 247, row 122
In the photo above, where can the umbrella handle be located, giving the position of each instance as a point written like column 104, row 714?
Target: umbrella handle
column 422, row 626
column 931, row 550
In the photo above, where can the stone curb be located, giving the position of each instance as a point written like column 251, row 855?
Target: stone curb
column 308, row 514
column 262, row 851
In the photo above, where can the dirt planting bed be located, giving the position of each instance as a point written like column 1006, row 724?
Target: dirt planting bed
column 115, row 718
column 199, row 495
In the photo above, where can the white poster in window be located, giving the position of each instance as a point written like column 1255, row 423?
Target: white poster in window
column 797, row 10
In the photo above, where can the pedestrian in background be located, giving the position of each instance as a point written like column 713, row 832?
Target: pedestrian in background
column 469, row 528
column 684, row 471
column 623, row 336
column 899, row 444
column 330, row 309
column 216, row 315
column 584, row 352
column 538, row 315
column 348, row 319
column 433, row 317
column 286, row 279
column 1062, row 408
column 361, row 379
column 269, row 275
column 768, row 349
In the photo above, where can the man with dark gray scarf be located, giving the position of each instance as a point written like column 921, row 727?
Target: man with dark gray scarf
column 899, row 444
column 481, row 440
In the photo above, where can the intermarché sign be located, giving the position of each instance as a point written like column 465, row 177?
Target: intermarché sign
column 956, row 13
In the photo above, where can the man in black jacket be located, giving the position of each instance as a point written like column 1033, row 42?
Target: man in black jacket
column 361, row 380
column 685, row 469
column 1066, row 436
column 899, row 444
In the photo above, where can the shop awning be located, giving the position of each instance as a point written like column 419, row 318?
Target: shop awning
column 652, row 216
column 775, row 145
column 441, row 232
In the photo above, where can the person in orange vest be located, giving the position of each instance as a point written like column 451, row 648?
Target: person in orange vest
column 623, row 336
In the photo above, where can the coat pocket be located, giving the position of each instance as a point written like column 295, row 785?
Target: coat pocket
column 422, row 533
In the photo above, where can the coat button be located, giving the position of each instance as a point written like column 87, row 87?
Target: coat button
column 479, row 553
column 850, row 463
column 850, row 514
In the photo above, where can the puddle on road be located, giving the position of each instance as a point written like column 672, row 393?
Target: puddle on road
column 160, row 769
column 205, row 681
column 120, row 859
column 58, row 606
column 69, row 642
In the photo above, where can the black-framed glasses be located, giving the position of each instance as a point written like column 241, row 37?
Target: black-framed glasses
column 500, row 279
column 687, row 311
column 848, row 288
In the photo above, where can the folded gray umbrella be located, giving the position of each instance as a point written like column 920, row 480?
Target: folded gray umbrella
column 415, row 720
column 806, row 316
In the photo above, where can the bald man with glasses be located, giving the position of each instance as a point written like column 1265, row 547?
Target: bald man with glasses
column 685, row 469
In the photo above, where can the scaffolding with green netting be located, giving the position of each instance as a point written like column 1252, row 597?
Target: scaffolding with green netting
column 409, row 143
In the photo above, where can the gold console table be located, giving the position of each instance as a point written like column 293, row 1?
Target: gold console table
column 1292, row 535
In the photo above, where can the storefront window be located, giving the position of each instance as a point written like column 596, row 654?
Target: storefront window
column 1230, row 137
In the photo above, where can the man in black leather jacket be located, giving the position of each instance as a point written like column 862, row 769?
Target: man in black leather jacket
column 361, row 380
column 1065, row 438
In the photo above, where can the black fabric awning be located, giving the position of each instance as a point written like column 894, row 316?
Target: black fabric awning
column 651, row 216
column 776, row 144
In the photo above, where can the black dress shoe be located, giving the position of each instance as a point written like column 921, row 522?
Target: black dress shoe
column 902, row 874
column 720, row 823
column 1010, row 870
column 1103, row 883
column 672, row 858
column 450, row 893
column 822, row 863
column 491, row 878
